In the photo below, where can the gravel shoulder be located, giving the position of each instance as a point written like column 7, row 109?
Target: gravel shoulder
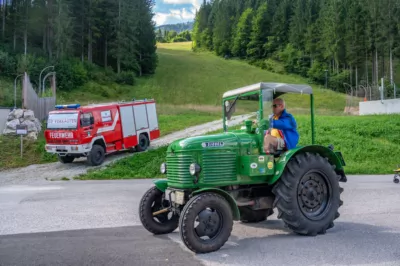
column 56, row 171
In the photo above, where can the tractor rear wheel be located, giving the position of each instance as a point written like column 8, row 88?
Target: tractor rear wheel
column 214, row 221
column 308, row 194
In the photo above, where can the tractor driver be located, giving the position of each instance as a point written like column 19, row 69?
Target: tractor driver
column 282, row 134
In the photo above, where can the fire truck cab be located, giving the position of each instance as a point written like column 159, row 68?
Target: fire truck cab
column 96, row 130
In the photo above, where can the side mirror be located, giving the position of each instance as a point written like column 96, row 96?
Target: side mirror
column 229, row 110
column 227, row 104
column 92, row 120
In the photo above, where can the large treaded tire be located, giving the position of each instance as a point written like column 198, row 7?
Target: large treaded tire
column 188, row 216
column 288, row 198
column 143, row 143
column 96, row 156
column 146, row 214
column 247, row 215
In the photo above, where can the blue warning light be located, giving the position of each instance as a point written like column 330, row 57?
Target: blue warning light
column 68, row 106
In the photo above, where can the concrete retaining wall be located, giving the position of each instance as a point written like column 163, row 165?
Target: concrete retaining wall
column 391, row 106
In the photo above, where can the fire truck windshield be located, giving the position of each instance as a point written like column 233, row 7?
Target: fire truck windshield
column 63, row 121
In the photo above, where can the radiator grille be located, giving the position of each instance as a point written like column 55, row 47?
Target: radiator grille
column 219, row 166
column 178, row 168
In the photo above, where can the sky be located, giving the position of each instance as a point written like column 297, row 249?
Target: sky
column 175, row 11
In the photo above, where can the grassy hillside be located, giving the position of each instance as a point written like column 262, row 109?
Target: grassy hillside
column 370, row 145
column 199, row 79
column 188, row 88
column 184, row 77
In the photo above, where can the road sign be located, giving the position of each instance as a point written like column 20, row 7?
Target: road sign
column 21, row 130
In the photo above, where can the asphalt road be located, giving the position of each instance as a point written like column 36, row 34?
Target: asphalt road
column 96, row 223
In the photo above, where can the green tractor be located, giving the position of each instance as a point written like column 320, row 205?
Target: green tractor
column 213, row 180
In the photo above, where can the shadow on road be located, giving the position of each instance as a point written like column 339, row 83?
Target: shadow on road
column 106, row 246
column 345, row 244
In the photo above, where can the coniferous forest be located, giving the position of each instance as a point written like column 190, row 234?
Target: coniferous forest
column 78, row 37
column 348, row 41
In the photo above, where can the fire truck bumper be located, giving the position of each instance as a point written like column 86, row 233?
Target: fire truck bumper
column 68, row 149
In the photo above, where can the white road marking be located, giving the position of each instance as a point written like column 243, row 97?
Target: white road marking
column 21, row 188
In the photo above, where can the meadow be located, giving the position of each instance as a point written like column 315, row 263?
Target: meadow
column 188, row 87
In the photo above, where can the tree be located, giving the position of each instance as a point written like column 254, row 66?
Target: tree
column 242, row 36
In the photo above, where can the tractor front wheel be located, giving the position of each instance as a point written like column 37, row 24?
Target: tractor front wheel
column 162, row 223
column 308, row 194
column 206, row 223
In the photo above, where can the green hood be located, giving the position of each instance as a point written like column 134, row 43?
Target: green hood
column 217, row 141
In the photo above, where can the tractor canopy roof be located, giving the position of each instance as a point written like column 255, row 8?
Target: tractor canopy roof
column 277, row 88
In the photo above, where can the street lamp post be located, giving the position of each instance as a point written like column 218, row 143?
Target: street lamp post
column 44, row 79
column 15, row 91
column 40, row 78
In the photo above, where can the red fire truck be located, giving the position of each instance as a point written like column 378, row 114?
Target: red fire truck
column 96, row 130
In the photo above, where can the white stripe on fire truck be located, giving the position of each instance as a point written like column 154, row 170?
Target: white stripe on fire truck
column 110, row 128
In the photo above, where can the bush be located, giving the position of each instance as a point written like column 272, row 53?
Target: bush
column 99, row 74
column 317, row 72
column 126, row 78
column 179, row 39
column 7, row 64
column 273, row 66
column 70, row 74
column 293, row 60
column 336, row 81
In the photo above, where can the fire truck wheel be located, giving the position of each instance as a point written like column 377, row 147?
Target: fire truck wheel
column 96, row 155
column 143, row 143
column 66, row 159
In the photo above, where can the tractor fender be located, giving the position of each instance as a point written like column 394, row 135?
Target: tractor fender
column 161, row 184
column 231, row 201
column 335, row 158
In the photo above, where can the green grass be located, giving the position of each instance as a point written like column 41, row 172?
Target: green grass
column 141, row 165
column 370, row 145
column 33, row 152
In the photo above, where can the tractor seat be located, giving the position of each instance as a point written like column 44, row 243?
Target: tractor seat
column 278, row 153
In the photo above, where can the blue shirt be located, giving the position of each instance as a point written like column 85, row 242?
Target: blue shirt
column 287, row 124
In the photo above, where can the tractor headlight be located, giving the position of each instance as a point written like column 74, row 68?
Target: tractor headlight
column 194, row 169
column 163, row 168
